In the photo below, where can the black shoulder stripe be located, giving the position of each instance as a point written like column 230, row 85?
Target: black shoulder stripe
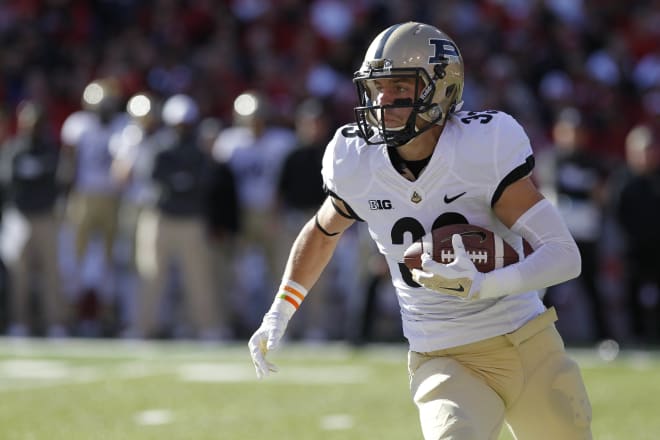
column 339, row 210
column 322, row 229
column 516, row 174
column 351, row 214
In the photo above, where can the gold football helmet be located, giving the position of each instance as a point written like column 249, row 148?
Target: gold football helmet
column 409, row 50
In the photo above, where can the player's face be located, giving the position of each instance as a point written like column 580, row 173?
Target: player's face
column 394, row 91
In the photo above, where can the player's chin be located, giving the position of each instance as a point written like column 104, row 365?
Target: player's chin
column 394, row 124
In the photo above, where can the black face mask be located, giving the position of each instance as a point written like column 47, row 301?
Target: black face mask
column 366, row 114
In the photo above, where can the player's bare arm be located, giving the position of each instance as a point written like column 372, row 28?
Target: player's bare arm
column 516, row 199
column 310, row 253
column 316, row 243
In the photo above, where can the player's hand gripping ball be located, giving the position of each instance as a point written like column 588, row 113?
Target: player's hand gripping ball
column 487, row 250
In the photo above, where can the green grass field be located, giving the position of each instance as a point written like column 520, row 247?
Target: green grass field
column 100, row 389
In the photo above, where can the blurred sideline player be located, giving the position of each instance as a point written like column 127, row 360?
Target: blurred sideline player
column 483, row 348
column 174, row 231
column 134, row 149
column 576, row 178
column 635, row 205
column 223, row 219
column 254, row 149
column 93, row 201
column 30, row 230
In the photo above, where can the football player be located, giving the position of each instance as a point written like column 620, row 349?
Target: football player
column 483, row 348
column 93, row 200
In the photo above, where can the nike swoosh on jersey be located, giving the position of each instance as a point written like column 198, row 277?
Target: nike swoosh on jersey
column 451, row 199
column 460, row 288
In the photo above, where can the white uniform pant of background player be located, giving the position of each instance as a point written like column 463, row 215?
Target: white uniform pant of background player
column 524, row 378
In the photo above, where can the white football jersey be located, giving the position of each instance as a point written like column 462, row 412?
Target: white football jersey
column 84, row 131
column 477, row 156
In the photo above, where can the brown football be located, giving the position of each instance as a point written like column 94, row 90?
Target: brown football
column 487, row 250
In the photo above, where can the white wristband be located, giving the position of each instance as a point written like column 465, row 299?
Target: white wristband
column 289, row 297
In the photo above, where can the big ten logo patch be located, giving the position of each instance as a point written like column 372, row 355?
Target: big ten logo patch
column 380, row 204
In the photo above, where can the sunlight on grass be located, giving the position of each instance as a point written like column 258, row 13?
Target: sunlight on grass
column 86, row 389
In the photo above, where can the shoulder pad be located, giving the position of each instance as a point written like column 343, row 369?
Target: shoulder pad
column 488, row 146
column 346, row 161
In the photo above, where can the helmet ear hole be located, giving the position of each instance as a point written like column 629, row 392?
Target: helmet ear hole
column 434, row 112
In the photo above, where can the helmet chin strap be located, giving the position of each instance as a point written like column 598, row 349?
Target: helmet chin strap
column 438, row 73
column 399, row 136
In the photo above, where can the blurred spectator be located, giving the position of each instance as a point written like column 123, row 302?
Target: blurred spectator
column 223, row 218
column 93, row 199
column 4, row 278
column 300, row 193
column 254, row 149
column 575, row 177
column 134, row 148
column 174, row 234
column 636, row 207
column 31, row 227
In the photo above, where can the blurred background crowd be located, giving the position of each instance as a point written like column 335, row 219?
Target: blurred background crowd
column 158, row 157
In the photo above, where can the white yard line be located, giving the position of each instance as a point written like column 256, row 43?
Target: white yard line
column 34, row 373
column 25, row 374
column 119, row 348
column 218, row 372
